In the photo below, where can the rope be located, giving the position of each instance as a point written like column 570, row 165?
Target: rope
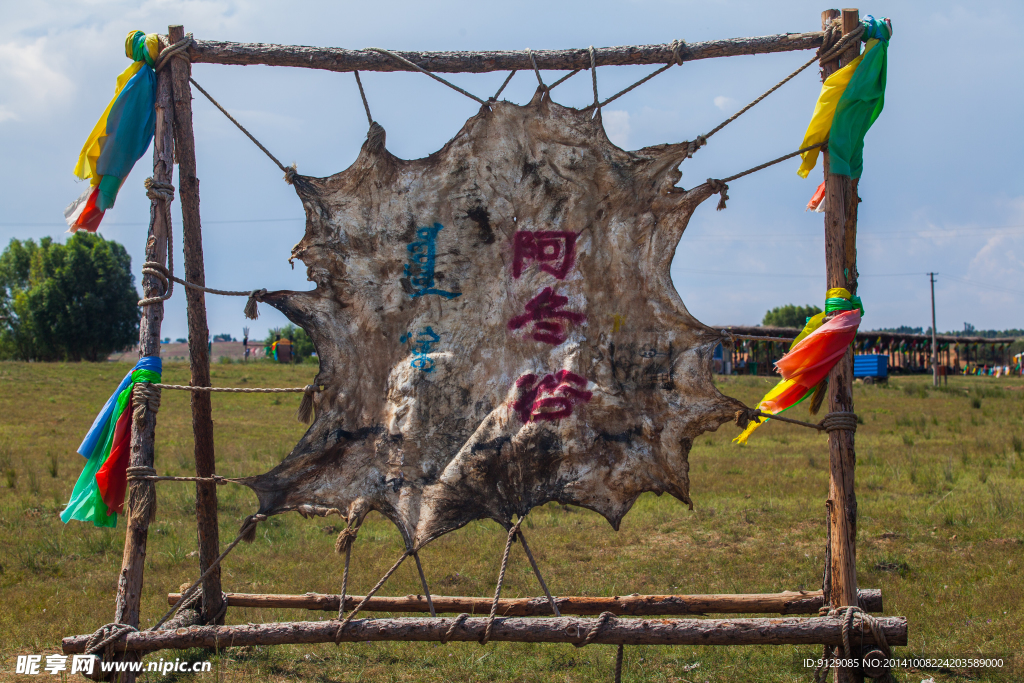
column 833, row 422
column 451, row 629
column 536, row 71
column 249, row 525
column 501, row 579
column 618, row 664
column 289, row 171
column 677, row 45
column 720, row 187
column 160, row 192
column 176, row 50
column 419, row 68
column 848, row 613
column 821, row 57
column 236, row 390
column 345, row 540
column 137, row 474
column 563, row 79
column 362, row 94
column 494, row 97
column 106, row 635
column 595, row 629
column 593, row 76
column 536, row 570
column 369, row 595
column 423, row 580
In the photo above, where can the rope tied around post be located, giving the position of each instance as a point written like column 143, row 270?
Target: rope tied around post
column 595, row 629
column 832, row 422
column 849, row 613
column 451, row 629
column 178, row 49
column 163, row 193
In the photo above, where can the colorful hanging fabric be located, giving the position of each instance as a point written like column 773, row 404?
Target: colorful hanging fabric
column 120, row 137
column 817, row 348
column 99, row 493
column 850, row 101
column 817, row 203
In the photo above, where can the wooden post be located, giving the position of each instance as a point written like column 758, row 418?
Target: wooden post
column 129, row 584
column 841, row 270
column 198, row 331
column 749, row 631
column 790, row 602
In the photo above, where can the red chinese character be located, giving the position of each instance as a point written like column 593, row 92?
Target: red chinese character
column 552, row 398
column 554, row 251
column 542, row 311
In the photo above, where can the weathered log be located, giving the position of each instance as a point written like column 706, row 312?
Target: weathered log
column 198, row 330
column 788, row 602
column 759, row 631
column 341, row 59
column 841, row 271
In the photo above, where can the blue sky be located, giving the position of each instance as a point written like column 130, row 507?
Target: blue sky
column 942, row 189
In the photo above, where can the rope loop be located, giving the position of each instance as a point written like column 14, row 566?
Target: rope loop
column 145, row 397
column 105, row 636
column 593, row 74
column 850, row 613
column 595, row 629
column 536, row 71
column 839, row 421
column 451, row 629
column 159, row 191
column 178, row 49
column 677, row 58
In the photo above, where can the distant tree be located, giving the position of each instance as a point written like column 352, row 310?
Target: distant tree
column 904, row 329
column 789, row 316
column 181, row 340
column 74, row 301
column 224, row 336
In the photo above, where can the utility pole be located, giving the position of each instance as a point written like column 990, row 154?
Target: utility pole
column 935, row 346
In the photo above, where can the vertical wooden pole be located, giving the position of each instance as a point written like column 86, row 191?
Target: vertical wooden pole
column 142, row 452
column 198, row 331
column 841, row 270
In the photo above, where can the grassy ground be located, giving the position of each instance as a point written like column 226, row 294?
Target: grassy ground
column 941, row 494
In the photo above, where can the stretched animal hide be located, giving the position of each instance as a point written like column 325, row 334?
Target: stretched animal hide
column 497, row 329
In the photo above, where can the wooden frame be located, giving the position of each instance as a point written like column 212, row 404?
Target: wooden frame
column 174, row 131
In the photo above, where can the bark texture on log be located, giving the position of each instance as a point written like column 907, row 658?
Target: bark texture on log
column 788, row 602
column 130, row 582
column 341, row 59
column 497, row 328
column 758, row 631
column 198, row 330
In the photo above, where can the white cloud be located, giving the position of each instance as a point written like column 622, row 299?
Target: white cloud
column 725, row 103
column 616, row 126
column 29, row 79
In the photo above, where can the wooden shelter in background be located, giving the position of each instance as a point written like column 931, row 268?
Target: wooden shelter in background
column 908, row 353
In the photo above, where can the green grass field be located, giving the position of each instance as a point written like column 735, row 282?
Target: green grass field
column 940, row 486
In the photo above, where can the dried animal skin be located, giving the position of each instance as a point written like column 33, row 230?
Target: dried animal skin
column 497, row 329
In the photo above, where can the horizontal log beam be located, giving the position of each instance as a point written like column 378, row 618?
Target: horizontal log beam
column 759, row 631
column 788, row 602
column 341, row 59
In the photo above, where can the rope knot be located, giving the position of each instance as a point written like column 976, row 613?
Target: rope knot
column 255, row 296
column 677, row 58
column 178, row 50
column 721, row 189
column 376, row 138
column 105, row 636
column 305, row 412
column 839, row 421
column 747, row 415
column 248, row 530
column 159, row 191
column 290, row 173
column 345, row 539
column 145, row 396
